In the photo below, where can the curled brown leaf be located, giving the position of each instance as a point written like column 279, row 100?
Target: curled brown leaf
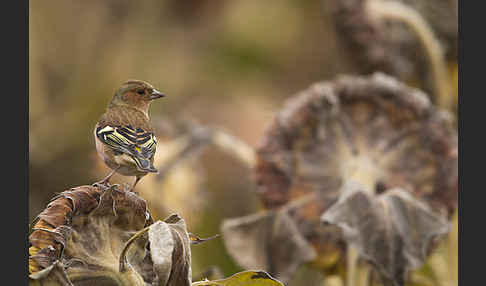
column 393, row 230
column 269, row 241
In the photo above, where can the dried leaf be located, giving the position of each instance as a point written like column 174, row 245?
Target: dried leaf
column 197, row 240
column 47, row 238
column 269, row 241
column 53, row 275
column 393, row 230
column 170, row 252
column 253, row 278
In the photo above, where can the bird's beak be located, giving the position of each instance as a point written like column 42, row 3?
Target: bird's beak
column 156, row 94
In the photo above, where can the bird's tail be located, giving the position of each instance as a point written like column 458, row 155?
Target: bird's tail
column 145, row 165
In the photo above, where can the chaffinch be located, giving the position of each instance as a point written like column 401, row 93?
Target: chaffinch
column 124, row 136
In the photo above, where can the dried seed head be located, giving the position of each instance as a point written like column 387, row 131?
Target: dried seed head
column 372, row 130
column 397, row 36
column 87, row 233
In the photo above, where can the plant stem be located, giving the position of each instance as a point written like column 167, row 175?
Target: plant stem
column 235, row 147
column 352, row 262
column 453, row 248
column 122, row 260
column 401, row 12
column 199, row 138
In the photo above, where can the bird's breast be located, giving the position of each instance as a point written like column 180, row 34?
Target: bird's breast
column 124, row 159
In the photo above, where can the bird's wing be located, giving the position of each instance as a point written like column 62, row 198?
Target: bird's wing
column 137, row 143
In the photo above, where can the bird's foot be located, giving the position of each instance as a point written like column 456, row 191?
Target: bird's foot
column 132, row 190
column 104, row 185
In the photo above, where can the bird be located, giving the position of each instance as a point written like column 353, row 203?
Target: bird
column 124, row 137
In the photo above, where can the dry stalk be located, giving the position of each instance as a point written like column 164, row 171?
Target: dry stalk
column 399, row 11
column 123, row 260
column 189, row 145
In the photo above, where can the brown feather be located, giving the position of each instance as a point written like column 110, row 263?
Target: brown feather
column 125, row 115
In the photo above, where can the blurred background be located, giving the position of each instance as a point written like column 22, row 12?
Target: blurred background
column 224, row 64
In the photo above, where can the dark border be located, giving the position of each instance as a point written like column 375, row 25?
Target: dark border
column 15, row 140
column 470, row 245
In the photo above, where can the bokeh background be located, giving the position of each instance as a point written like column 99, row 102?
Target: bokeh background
column 224, row 64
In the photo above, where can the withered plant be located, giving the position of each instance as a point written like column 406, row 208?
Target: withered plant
column 413, row 40
column 106, row 236
column 358, row 167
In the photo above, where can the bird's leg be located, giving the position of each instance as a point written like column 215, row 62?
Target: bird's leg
column 107, row 178
column 136, row 181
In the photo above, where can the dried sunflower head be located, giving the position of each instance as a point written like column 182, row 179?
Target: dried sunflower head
column 89, row 235
column 367, row 135
column 373, row 130
column 404, row 38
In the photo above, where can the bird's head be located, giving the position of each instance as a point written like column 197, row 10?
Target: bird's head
column 135, row 93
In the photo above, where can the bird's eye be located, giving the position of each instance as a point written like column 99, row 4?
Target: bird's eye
column 140, row 91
